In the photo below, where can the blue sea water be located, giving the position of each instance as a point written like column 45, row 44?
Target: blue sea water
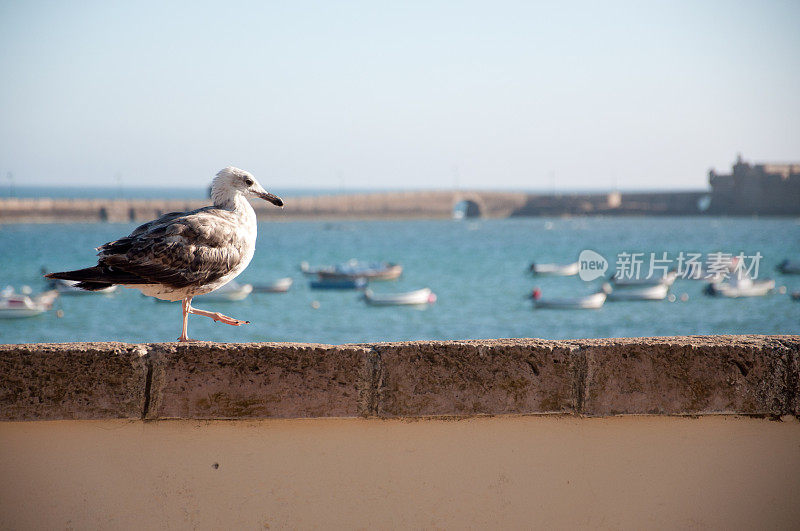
column 478, row 269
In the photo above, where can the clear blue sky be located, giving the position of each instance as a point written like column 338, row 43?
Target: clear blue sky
column 491, row 94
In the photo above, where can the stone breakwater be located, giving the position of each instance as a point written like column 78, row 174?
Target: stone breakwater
column 388, row 205
column 700, row 375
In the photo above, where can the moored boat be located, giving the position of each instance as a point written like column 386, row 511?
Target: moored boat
column 741, row 287
column 280, row 285
column 16, row 305
column 654, row 292
column 355, row 269
column 668, row 279
column 789, row 267
column 338, row 283
column 587, row 302
column 555, row 270
column 416, row 297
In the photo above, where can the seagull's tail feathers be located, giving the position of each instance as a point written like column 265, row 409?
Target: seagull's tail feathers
column 90, row 278
column 88, row 273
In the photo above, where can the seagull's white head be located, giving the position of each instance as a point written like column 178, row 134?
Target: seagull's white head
column 231, row 181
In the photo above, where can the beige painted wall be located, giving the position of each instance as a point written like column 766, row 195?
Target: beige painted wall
column 486, row 472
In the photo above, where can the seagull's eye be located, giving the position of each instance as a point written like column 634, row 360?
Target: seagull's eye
column 248, row 181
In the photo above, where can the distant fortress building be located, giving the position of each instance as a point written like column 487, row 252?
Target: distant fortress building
column 769, row 189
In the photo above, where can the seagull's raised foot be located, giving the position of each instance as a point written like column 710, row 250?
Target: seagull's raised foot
column 186, row 306
column 216, row 316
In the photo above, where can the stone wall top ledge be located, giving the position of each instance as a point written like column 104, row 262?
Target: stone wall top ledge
column 682, row 375
column 749, row 340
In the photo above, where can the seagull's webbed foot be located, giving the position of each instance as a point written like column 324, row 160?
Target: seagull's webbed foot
column 216, row 316
column 187, row 340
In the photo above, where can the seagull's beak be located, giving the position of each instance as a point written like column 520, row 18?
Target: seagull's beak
column 272, row 198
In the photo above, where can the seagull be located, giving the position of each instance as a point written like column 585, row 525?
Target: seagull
column 184, row 254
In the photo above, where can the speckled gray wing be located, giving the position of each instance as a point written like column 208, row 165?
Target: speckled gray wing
column 177, row 250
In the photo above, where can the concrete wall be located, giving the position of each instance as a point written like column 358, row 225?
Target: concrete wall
column 505, row 472
column 389, row 205
column 753, row 375
column 392, row 205
column 508, row 434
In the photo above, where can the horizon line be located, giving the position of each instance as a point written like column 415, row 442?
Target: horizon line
column 340, row 189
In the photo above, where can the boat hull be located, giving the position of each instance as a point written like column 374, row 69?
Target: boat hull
column 645, row 293
column 338, row 284
column 417, row 297
column 756, row 289
column 667, row 280
column 19, row 313
column 555, row 270
column 354, row 269
column 390, row 273
column 281, row 285
column 590, row 302
column 788, row 267
column 16, row 307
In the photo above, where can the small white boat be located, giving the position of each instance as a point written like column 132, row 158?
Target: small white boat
column 653, row 292
column 68, row 287
column 353, row 269
column 281, row 285
column 741, row 287
column 667, row 280
column 555, row 270
column 420, row 296
column 232, row 291
column 16, row 305
column 588, row 302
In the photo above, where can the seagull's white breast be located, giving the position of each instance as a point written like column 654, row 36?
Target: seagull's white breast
column 246, row 235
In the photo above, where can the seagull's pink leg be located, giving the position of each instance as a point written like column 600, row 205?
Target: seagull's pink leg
column 186, row 305
column 217, row 316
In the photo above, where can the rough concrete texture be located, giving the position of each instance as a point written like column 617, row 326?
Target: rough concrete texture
column 74, row 381
column 705, row 374
column 257, row 381
column 754, row 375
column 793, row 380
column 475, row 377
